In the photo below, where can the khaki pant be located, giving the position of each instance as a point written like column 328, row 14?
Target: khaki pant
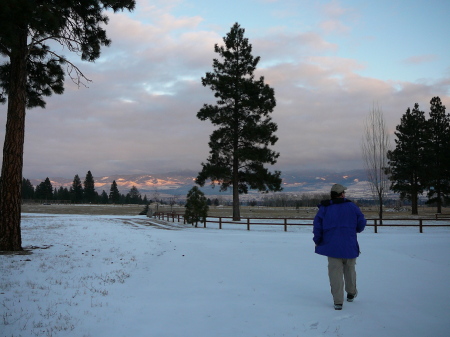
column 340, row 271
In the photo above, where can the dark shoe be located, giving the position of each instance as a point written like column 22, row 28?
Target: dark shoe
column 351, row 297
column 338, row 307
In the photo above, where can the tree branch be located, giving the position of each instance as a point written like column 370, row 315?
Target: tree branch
column 70, row 69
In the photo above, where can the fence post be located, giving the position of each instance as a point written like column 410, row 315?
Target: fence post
column 420, row 225
column 285, row 224
column 220, row 222
column 248, row 224
column 375, row 225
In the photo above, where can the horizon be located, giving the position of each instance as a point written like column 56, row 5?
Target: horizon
column 188, row 171
column 179, row 184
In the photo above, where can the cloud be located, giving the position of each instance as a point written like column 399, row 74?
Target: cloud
column 139, row 113
column 334, row 26
column 335, row 15
column 334, row 9
column 419, row 59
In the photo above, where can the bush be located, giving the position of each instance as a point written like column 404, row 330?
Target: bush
column 196, row 208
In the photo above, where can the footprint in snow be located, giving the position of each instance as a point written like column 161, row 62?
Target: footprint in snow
column 342, row 317
column 314, row 325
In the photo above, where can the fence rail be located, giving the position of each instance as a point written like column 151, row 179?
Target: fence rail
column 285, row 222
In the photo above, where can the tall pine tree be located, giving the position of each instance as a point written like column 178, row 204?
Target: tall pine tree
column 29, row 29
column 76, row 190
column 104, row 199
column 27, row 189
column 135, row 195
column 114, row 194
column 44, row 191
column 239, row 146
column 438, row 154
column 90, row 195
column 407, row 170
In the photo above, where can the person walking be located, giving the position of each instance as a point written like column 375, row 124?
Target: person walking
column 336, row 225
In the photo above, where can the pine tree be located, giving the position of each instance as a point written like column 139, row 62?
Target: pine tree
column 104, row 197
column 407, row 170
column 134, row 195
column 114, row 194
column 196, row 207
column 76, row 190
column 27, row 189
column 438, row 154
column 90, row 195
column 48, row 190
column 31, row 70
column 239, row 147
column 64, row 194
column 145, row 210
column 44, row 191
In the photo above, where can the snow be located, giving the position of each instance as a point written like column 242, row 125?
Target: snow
column 124, row 276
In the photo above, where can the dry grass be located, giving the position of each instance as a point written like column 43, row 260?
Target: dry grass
column 225, row 211
column 82, row 209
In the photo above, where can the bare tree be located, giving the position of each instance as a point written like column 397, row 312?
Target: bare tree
column 156, row 196
column 375, row 146
column 172, row 201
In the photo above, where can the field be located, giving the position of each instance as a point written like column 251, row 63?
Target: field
column 246, row 211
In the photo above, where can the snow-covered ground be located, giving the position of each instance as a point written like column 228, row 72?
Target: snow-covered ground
column 119, row 276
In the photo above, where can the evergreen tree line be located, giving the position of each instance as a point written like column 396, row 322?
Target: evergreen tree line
column 420, row 162
column 80, row 192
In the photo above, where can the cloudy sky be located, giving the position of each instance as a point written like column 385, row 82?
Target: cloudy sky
column 329, row 62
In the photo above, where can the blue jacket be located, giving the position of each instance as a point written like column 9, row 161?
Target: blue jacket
column 335, row 227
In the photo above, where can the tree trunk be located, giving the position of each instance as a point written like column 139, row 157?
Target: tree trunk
column 236, row 206
column 380, row 209
column 414, row 203
column 439, row 201
column 11, row 174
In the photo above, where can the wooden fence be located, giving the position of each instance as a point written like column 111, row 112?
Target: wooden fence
column 285, row 222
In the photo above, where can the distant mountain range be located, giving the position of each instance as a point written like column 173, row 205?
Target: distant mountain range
column 179, row 183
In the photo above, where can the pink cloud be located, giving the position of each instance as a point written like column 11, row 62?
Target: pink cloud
column 334, row 26
column 335, row 16
column 419, row 59
column 334, row 9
